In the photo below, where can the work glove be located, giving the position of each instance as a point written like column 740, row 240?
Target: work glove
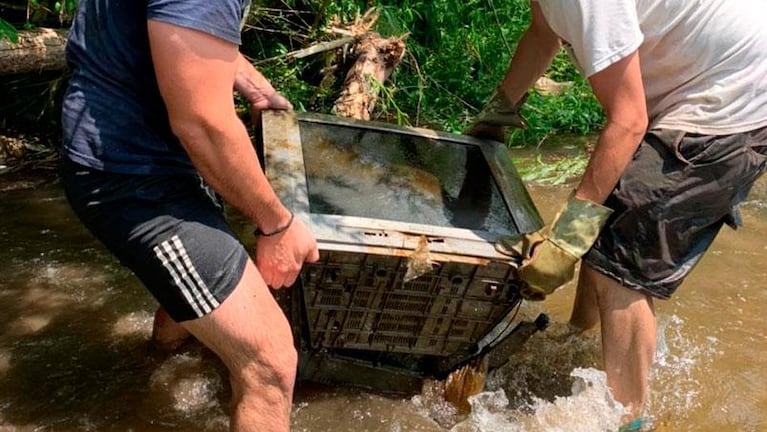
column 549, row 258
column 497, row 116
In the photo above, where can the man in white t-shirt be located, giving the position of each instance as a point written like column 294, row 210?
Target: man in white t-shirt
column 684, row 88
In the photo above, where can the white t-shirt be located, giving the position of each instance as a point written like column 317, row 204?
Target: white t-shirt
column 704, row 62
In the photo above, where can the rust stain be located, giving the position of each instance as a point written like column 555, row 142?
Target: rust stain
column 436, row 256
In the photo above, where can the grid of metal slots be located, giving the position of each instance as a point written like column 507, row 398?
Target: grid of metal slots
column 360, row 301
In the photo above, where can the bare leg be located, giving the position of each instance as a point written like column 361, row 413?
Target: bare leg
column 585, row 315
column 252, row 337
column 167, row 334
column 628, row 338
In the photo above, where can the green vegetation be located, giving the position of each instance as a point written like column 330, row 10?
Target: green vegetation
column 457, row 52
column 7, row 31
column 554, row 171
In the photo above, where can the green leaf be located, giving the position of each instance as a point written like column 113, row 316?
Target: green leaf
column 8, row 31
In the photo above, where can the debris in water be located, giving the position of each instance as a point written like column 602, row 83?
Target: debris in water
column 420, row 262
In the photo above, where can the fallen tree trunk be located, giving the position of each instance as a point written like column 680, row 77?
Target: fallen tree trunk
column 377, row 58
column 38, row 50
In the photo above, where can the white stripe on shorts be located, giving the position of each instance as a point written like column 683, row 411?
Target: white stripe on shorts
column 175, row 259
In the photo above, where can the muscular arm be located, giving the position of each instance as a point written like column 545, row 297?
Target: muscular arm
column 620, row 91
column 250, row 83
column 533, row 56
column 196, row 73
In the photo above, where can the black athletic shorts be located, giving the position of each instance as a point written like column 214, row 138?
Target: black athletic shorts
column 670, row 204
column 169, row 230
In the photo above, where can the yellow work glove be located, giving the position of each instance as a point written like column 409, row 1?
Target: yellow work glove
column 496, row 117
column 549, row 259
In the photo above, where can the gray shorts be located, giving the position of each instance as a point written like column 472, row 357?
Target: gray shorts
column 169, row 230
column 670, row 204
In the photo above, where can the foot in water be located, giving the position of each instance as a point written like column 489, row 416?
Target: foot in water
column 167, row 334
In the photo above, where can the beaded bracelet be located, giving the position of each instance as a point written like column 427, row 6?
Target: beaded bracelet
column 279, row 230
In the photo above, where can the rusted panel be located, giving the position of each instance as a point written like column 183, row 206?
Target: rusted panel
column 284, row 157
column 436, row 256
column 371, row 193
column 360, row 301
column 351, row 230
column 518, row 200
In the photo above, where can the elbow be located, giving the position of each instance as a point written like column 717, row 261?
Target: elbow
column 197, row 136
column 193, row 130
column 639, row 125
column 188, row 130
column 634, row 126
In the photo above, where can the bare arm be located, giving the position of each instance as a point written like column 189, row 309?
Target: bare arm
column 620, row 91
column 196, row 73
column 533, row 56
column 250, row 83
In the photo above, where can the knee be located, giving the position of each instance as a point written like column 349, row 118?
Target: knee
column 273, row 366
column 282, row 364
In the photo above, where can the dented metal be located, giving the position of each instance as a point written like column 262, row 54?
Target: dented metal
column 406, row 221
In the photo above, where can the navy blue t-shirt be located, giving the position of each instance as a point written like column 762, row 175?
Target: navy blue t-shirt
column 113, row 117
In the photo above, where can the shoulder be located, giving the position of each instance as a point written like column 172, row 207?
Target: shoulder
column 220, row 18
column 600, row 33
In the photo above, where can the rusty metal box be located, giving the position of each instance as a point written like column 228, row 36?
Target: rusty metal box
column 383, row 200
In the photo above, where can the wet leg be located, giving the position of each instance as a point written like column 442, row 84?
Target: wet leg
column 628, row 339
column 585, row 315
column 167, row 334
column 253, row 338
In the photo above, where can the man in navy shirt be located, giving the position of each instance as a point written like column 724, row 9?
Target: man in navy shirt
column 151, row 141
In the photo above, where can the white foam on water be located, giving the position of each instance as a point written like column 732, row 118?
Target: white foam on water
column 589, row 408
column 555, row 385
column 674, row 389
column 189, row 383
column 138, row 324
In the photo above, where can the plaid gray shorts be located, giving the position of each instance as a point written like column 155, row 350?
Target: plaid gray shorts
column 671, row 202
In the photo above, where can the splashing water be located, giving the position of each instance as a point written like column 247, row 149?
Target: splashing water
column 678, row 360
column 554, row 385
column 551, row 385
column 193, row 387
column 588, row 408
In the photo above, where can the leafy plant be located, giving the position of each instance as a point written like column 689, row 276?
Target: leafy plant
column 8, row 31
column 558, row 171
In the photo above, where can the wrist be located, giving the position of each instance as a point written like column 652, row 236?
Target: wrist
column 276, row 231
column 578, row 225
column 275, row 223
column 501, row 111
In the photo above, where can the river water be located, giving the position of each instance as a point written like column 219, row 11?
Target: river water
column 74, row 352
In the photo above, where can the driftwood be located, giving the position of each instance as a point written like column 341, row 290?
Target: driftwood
column 11, row 148
column 465, row 382
column 377, row 58
column 311, row 50
column 38, row 50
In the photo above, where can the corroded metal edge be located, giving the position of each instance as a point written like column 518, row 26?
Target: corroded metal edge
column 284, row 163
column 518, row 200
